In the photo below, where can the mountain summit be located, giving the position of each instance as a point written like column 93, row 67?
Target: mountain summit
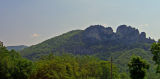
column 95, row 39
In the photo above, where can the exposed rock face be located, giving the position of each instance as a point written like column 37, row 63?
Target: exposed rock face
column 97, row 33
column 109, row 30
column 127, row 32
column 124, row 34
column 143, row 35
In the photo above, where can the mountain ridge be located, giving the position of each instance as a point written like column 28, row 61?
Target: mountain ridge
column 92, row 40
column 17, row 48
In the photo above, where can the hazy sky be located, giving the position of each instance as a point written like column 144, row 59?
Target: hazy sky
column 28, row 22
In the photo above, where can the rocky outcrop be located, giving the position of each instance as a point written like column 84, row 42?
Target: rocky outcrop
column 143, row 35
column 97, row 34
column 94, row 32
column 124, row 34
column 109, row 31
column 127, row 32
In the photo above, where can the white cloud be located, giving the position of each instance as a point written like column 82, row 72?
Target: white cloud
column 35, row 35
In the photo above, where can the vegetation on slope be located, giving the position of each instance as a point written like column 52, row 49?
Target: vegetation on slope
column 95, row 39
column 13, row 66
column 50, row 45
column 65, row 66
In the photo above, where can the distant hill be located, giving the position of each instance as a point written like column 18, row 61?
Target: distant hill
column 17, row 48
column 98, row 41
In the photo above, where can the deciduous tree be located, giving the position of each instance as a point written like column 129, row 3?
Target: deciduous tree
column 137, row 67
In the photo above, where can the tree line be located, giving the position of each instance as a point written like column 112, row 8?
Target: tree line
column 68, row 66
column 13, row 66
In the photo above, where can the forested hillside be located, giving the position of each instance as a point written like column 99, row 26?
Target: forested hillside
column 95, row 39
column 13, row 66
column 98, row 41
